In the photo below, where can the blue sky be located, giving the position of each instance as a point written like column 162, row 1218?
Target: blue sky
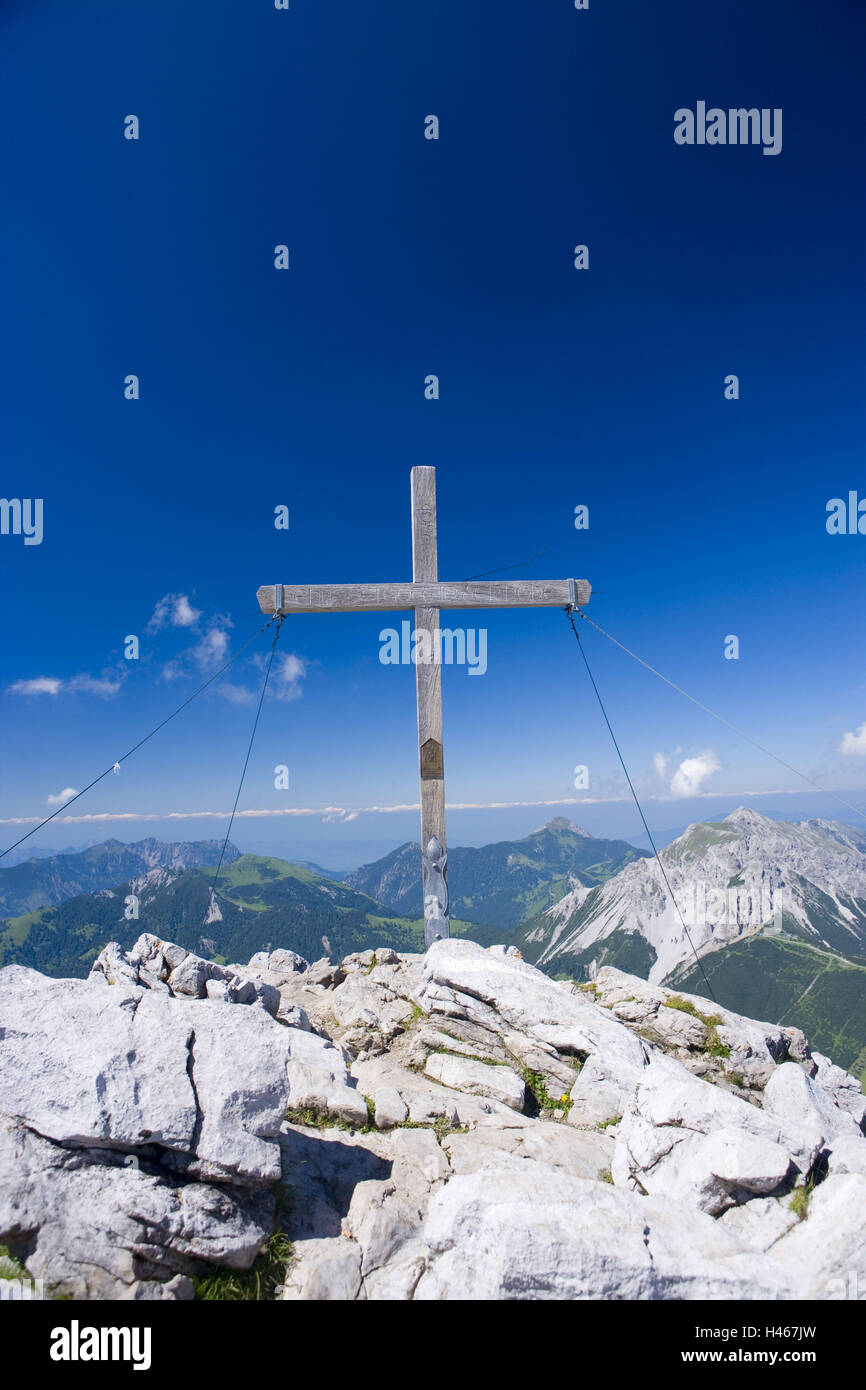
column 306, row 388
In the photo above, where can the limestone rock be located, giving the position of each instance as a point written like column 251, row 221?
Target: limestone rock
column 519, row 1230
column 279, row 963
column 389, row 1107
column 464, row 1074
column 848, row 1155
column 761, row 1222
column 842, row 1088
column 795, row 1098
column 115, row 1090
column 95, row 1227
column 319, row 1080
column 324, row 972
column 825, row 1254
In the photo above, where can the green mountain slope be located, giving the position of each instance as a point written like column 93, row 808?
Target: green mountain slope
column 261, row 901
column 56, row 877
column 786, row 981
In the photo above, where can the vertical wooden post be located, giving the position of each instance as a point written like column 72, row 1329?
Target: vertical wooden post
column 428, row 685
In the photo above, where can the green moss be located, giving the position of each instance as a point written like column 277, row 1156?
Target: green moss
column 537, row 1087
column 713, row 1047
column 315, row 1119
column 10, row 1267
column 261, row 1282
column 441, row 1127
column 606, row 1176
column 444, row 1126
column 611, row 1120
column 257, row 1284
column 684, row 1006
column 800, row 1197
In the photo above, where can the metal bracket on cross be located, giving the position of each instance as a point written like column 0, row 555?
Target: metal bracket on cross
column 434, row 865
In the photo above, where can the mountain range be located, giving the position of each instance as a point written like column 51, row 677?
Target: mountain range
column 39, row 882
column 502, row 884
column 774, row 912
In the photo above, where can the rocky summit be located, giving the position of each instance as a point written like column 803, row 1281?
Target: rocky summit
column 448, row 1126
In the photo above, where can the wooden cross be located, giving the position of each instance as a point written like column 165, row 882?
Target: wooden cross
column 426, row 595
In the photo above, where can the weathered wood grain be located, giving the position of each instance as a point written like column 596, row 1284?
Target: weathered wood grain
column 387, row 598
column 428, row 688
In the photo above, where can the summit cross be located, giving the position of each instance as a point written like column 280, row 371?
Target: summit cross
column 426, row 594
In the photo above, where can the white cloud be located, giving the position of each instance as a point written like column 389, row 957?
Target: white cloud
column 692, row 772
column 213, row 647
column 286, row 677
column 173, row 609
column 41, row 685
column 854, row 743
column 106, row 686
column 235, row 694
column 660, row 763
column 61, row 797
column 354, row 812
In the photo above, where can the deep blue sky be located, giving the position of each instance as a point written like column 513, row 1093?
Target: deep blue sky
column 558, row 387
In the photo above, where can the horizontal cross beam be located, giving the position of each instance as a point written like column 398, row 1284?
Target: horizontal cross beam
column 387, row 598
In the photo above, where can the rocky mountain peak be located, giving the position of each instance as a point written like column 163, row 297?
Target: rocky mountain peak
column 563, row 823
column 443, row 1127
column 747, row 818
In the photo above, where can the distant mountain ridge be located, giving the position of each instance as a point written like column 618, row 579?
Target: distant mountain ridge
column 502, row 884
column 260, row 902
column 47, row 881
column 790, row 943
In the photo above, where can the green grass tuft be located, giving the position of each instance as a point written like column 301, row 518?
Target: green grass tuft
column 260, row 1283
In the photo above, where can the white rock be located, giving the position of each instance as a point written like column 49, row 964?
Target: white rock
column 477, row 1079
column 428, row 1100
column 585, row 1154
column 318, row 1079
column 280, row 963
column 524, row 999
column 825, row 1254
column 293, row 1016
column 519, row 1230
column 792, row 1096
column 848, row 1155
column 96, row 1227
column 843, row 1088
column 327, row 1271
column 389, row 1106
column 206, row 1083
column 760, row 1222
column 711, row 1171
